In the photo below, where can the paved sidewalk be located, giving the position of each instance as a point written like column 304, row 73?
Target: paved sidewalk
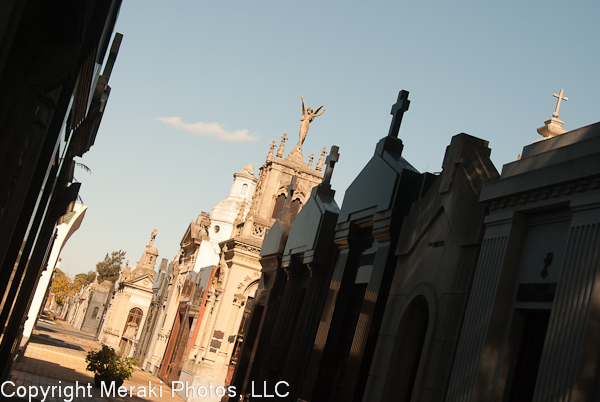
column 53, row 370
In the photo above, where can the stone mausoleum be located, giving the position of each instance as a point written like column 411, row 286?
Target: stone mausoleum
column 133, row 295
column 465, row 285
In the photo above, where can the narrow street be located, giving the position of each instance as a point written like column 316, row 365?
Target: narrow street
column 53, row 370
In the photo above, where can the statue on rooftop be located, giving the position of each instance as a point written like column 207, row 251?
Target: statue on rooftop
column 307, row 117
column 153, row 236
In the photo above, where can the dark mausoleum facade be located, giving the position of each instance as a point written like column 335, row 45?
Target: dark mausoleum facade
column 465, row 285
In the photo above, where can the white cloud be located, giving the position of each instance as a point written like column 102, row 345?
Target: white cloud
column 214, row 130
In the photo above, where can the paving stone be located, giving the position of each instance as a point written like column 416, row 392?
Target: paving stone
column 57, row 358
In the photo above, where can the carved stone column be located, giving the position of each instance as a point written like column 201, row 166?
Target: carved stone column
column 486, row 316
column 199, row 349
column 238, row 302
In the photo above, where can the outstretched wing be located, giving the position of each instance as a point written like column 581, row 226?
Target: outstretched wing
column 303, row 106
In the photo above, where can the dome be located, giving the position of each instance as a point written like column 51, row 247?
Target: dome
column 247, row 170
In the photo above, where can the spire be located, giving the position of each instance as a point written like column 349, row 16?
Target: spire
column 320, row 162
column 240, row 217
column 282, row 145
column 270, row 155
column 147, row 261
column 310, row 161
column 126, row 273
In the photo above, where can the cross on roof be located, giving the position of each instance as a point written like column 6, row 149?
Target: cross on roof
column 560, row 97
column 330, row 162
column 398, row 110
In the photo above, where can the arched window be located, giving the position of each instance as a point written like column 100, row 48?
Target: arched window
column 295, row 208
column 279, row 204
column 244, row 189
column 95, row 313
column 135, row 316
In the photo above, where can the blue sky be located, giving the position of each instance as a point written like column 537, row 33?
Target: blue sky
column 237, row 69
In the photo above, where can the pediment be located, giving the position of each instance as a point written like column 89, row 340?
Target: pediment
column 454, row 193
column 143, row 281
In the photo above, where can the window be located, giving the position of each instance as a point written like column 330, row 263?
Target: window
column 135, row 316
column 279, row 204
column 244, row 189
column 295, row 208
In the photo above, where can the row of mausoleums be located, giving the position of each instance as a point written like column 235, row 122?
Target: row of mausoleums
column 465, row 285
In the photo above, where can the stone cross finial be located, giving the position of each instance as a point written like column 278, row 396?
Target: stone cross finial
column 282, row 145
column 553, row 126
column 310, row 160
column 398, row 110
column 331, row 160
column 560, row 97
column 153, row 236
column 270, row 155
column 321, row 159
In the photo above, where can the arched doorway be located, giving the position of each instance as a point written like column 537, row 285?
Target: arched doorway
column 248, row 306
column 408, row 349
column 132, row 325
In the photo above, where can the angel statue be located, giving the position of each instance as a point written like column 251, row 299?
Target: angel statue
column 307, row 116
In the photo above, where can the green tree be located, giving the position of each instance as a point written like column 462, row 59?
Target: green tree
column 110, row 268
column 62, row 287
column 84, row 279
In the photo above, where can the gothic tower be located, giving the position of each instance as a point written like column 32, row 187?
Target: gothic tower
column 231, row 294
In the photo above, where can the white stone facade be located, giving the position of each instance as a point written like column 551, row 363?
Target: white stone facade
column 130, row 304
column 200, row 249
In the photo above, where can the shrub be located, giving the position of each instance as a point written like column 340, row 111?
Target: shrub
column 107, row 363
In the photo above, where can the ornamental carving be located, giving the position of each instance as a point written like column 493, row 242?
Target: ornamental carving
column 544, row 193
column 257, row 193
column 247, row 247
column 247, row 280
column 239, row 299
column 258, row 230
column 247, row 260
